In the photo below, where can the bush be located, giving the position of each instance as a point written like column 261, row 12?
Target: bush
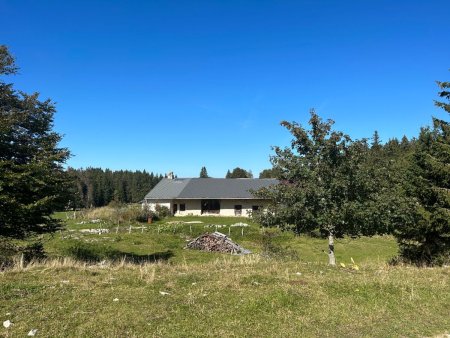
column 162, row 211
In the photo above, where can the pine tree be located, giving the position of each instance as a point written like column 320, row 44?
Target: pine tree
column 33, row 184
column 228, row 175
column 203, row 173
column 428, row 240
column 376, row 142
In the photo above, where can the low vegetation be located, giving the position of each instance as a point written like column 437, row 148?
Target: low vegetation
column 138, row 280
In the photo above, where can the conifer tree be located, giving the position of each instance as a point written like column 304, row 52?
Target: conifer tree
column 33, row 183
column 203, row 173
column 428, row 239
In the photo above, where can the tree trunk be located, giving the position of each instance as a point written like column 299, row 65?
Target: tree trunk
column 331, row 257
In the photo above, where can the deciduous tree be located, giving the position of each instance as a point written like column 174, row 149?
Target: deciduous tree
column 326, row 184
column 239, row 173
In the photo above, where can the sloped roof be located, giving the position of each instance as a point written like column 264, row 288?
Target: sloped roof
column 208, row 188
column 168, row 189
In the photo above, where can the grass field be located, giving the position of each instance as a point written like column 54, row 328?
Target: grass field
column 173, row 292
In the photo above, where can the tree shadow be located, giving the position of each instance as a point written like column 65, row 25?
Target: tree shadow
column 89, row 253
column 139, row 259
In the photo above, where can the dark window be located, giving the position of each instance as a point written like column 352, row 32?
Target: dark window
column 182, row 207
column 210, row 206
column 175, row 208
column 238, row 210
column 255, row 207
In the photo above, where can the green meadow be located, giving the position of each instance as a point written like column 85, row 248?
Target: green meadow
column 138, row 280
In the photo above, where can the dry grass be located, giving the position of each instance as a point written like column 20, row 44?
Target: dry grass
column 190, row 293
column 247, row 296
column 105, row 213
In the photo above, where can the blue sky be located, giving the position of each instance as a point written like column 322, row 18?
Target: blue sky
column 177, row 85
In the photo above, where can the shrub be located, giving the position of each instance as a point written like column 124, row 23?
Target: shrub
column 162, row 211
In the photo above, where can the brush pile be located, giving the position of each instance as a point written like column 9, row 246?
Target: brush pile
column 217, row 242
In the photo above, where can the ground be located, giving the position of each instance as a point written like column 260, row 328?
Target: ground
column 288, row 291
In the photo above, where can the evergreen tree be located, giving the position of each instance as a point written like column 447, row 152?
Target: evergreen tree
column 428, row 240
column 96, row 187
column 203, row 173
column 33, row 184
column 381, row 204
column 376, row 142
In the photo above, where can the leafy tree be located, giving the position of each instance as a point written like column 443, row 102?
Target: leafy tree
column 268, row 173
column 203, row 173
column 239, row 173
column 33, row 183
column 324, row 184
column 428, row 239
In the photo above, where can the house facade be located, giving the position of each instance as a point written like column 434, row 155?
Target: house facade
column 207, row 196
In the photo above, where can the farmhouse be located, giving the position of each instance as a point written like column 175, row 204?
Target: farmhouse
column 207, row 196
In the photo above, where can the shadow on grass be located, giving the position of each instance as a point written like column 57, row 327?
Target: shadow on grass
column 91, row 253
column 137, row 259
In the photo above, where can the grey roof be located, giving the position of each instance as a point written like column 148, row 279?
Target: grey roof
column 208, row 188
column 168, row 189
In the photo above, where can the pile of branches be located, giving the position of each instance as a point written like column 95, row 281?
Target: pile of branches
column 217, row 242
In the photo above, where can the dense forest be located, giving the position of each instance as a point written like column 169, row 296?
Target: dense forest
column 95, row 187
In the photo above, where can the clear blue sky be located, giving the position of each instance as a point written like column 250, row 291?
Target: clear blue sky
column 177, row 85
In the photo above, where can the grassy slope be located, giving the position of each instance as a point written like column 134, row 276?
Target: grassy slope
column 221, row 295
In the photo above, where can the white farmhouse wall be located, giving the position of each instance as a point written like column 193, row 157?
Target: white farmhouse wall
column 193, row 207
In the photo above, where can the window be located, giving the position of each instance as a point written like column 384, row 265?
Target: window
column 255, row 207
column 238, row 210
column 182, row 207
column 210, row 207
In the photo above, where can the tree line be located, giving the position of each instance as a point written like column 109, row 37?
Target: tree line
column 328, row 182
column 95, row 187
